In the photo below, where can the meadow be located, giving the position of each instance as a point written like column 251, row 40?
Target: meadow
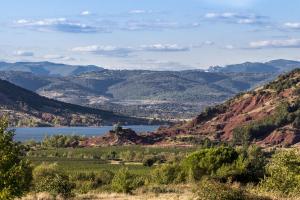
column 97, row 159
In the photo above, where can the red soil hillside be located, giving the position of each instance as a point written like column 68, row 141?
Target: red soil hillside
column 269, row 115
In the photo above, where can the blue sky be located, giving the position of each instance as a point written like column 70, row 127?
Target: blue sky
column 149, row 34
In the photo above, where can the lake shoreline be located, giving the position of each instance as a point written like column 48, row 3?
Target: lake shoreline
column 39, row 133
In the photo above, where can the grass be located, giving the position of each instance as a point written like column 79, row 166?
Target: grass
column 76, row 160
column 71, row 165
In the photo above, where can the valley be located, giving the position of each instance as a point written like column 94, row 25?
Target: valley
column 163, row 95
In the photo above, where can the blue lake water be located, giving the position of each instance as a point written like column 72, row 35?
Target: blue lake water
column 38, row 134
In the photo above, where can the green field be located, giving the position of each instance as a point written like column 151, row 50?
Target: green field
column 87, row 160
column 71, row 165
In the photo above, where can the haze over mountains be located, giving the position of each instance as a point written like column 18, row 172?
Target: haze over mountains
column 142, row 93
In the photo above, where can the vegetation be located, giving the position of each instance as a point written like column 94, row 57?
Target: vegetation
column 285, row 113
column 283, row 173
column 27, row 108
column 220, row 172
column 61, row 141
column 213, row 169
column 284, row 81
column 213, row 190
column 125, row 182
column 48, row 178
column 15, row 172
column 178, row 93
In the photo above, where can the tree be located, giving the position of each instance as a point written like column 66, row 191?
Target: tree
column 15, row 172
column 124, row 181
column 48, row 178
column 283, row 173
column 208, row 161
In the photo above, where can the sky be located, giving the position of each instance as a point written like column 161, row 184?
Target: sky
column 149, row 34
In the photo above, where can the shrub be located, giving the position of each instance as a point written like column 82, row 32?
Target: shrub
column 284, row 113
column 61, row 141
column 15, row 172
column 148, row 162
column 208, row 161
column 125, row 182
column 212, row 190
column 283, row 173
column 104, row 177
column 168, row 173
column 48, row 178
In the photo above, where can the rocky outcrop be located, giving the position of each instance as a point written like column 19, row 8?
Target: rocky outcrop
column 122, row 137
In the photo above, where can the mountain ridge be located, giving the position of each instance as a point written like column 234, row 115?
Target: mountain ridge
column 167, row 95
column 267, row 116
column 26, row 108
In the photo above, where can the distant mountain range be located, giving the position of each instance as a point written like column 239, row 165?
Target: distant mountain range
column 274, row 66
column 142, row 93
column 26, row 108
column 48, row 68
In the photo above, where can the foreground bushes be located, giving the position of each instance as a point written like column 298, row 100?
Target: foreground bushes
column 15, row 172
column 226, row 164
column 125, row 182
column 168, row 174
column 213, row 190
column 283, row 174
column 208, row 161
column 48, row 178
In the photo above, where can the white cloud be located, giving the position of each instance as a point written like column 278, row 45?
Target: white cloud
column 208, row 42
column 57, row 24
column 160, row 65
column 232, row 3
column 292, row 25
column 85, row 13
column 202, row 44
column 246, row 21
column 164, row 47
column 237, row 18
column 288, row 43
column 140, row 11
column 220, row 15
column 112, row 51
column 229, row 46
column 23, row 53
column 137, row 25
column 57, row 57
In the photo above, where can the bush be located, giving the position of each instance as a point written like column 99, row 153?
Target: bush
column 149, row 161
column 226, row 164
column 15, row 172
column 212, row 190
column 61, row 141
column 284, row 114
column 283, row 173
column 48, row 178
column 208, row 161
column 125, row 182
column 168, row 173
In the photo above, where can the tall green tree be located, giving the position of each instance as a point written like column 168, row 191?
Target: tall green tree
column 15, row 171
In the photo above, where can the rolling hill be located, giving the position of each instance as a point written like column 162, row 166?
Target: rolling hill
column 142, row 93
column 160, row 94
column 48, row 68
column 268, row 116
column 26, row 108
column 273, row 66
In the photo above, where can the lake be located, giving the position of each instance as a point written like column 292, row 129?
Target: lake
column 38, row 133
